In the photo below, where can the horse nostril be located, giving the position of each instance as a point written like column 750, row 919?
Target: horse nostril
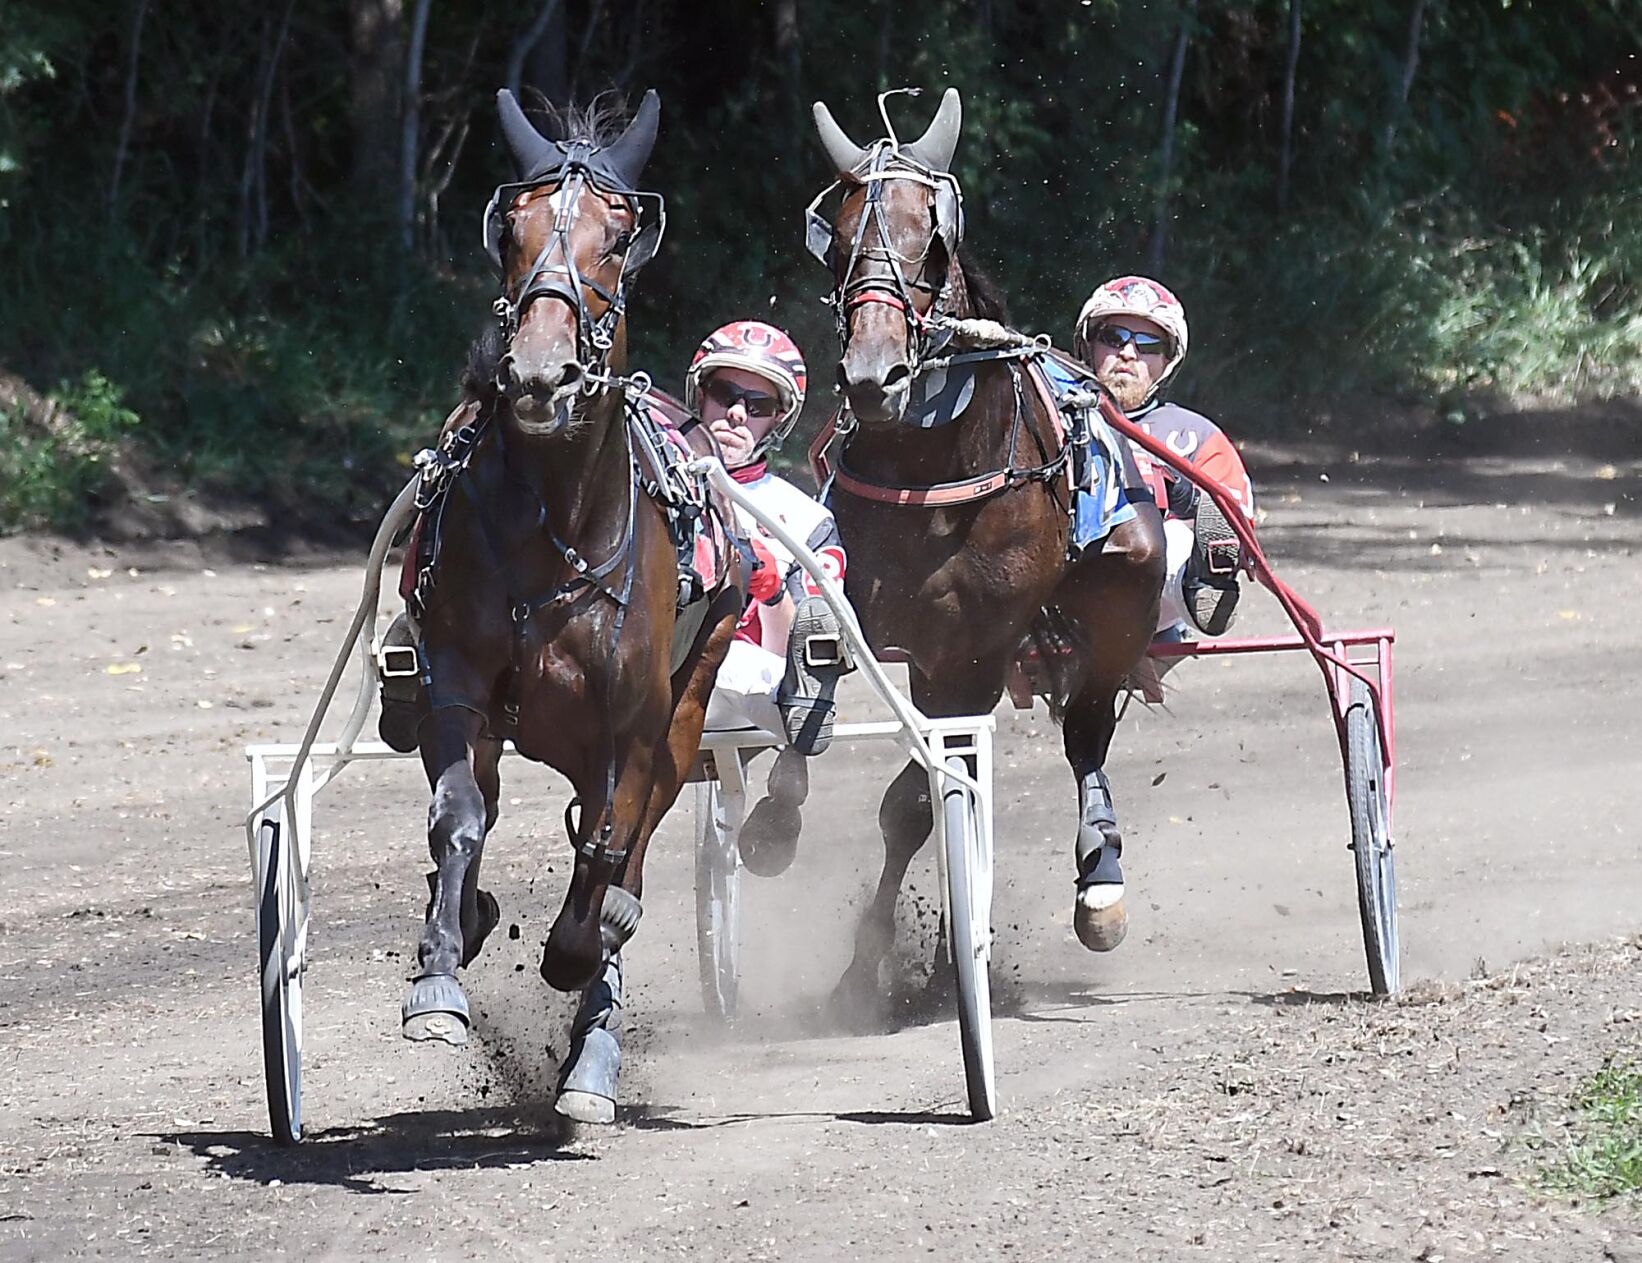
column 568, row 376
column 897, row 378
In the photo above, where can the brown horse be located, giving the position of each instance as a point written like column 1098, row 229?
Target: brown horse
column 958, row 533
column 549, row 580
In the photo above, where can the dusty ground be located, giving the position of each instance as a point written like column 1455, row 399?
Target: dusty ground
column 1216, row 1089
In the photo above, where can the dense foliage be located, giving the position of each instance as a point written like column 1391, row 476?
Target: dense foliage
column 206, row 218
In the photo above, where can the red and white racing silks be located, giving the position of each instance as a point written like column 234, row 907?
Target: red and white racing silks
column 811, row 522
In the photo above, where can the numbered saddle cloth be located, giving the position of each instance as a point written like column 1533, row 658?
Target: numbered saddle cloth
column 1105, row 480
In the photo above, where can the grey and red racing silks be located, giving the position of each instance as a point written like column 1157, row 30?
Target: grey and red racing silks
column 1195, row 439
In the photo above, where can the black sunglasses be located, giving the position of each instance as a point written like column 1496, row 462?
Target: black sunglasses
column 1117, row 337
column 726, row 395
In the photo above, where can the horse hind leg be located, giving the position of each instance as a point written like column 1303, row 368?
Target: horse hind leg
column 436, row 1007
column 769, row 835
column 905, row 818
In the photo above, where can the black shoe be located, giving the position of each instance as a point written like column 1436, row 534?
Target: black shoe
column 815, row 661
column 1210, row 582
column 404, row 704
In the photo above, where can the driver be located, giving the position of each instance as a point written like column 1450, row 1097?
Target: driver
column 746, row 384
column 1132, row 332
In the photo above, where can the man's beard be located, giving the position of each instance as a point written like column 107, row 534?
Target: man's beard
column 1128, row 391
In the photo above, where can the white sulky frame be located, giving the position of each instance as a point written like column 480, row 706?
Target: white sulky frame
column 956, row 752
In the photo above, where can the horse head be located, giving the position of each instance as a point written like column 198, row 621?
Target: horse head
column 891, row 249
column 567, row 236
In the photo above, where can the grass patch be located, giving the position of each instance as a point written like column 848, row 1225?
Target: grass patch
column 53, row 466
column 1601, row 1158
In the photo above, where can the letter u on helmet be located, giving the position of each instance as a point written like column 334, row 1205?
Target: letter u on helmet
column 758, row 348
column 1142, row 297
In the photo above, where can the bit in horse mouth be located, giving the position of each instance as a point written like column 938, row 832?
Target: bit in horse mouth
column 541, row 417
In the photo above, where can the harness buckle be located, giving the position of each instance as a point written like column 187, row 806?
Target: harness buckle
column 520, row 613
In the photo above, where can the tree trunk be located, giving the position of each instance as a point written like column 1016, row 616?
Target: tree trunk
column 539, row 58
column 376, row 73
column 789, row 58
column 1285, row 156
column 1411, row 63
column 412, row 126
column 589, row 29
column 130, row 113
column 1171, row 109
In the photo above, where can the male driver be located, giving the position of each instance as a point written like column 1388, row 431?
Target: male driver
column 746, row 384
column 1132, row 332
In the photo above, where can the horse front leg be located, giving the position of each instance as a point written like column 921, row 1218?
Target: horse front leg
column 458, row 818
column 589, row 1077
column 1113, row 598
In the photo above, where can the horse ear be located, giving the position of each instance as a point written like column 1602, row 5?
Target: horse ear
column 844, row 154
column 938, row 143
column 628, row 153
column 533, row 153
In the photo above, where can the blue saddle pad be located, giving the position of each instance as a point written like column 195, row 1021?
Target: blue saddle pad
column 1099, row 503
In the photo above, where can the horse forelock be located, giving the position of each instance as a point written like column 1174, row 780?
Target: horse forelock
column 598, row 123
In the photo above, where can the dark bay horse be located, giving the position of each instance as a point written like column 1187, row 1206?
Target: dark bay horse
column 550, row 583
column 958, row 533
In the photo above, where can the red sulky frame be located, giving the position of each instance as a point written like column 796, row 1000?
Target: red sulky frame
column 1330, row 649
column 1367, row 753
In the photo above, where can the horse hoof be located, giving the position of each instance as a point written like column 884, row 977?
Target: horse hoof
column 435, row 1009
column 569, row 971
column 857, row 1003
column 1100, row 918
column 586, row 1107
column 769, row 837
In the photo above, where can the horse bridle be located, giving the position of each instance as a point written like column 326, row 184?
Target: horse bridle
column 564, row 281
column 891, row 287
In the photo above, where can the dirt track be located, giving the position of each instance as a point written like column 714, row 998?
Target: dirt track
column 1210, row 1091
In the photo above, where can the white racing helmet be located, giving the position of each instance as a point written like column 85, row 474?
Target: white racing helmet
column 1135, row 296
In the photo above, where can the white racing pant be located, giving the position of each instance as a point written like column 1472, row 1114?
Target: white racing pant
column 1178, row 538
column 744, row 693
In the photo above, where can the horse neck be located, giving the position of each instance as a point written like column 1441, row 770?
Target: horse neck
column 977, row 441
column 581, row 478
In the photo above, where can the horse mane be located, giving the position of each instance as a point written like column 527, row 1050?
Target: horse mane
column 985, row 299
column 484, row 358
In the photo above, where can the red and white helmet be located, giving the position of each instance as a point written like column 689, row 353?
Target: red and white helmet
column 758, row 348
column 1135, row 296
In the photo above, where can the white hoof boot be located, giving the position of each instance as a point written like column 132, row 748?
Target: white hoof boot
column 1099, row 916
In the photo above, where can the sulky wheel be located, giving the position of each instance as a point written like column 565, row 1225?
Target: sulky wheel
column 282, row 922
column 1371, row 841
column 968, row 932
column 718, row 901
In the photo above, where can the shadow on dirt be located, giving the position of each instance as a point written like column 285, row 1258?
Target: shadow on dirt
column 1077, row 1004
column 356, row 1158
